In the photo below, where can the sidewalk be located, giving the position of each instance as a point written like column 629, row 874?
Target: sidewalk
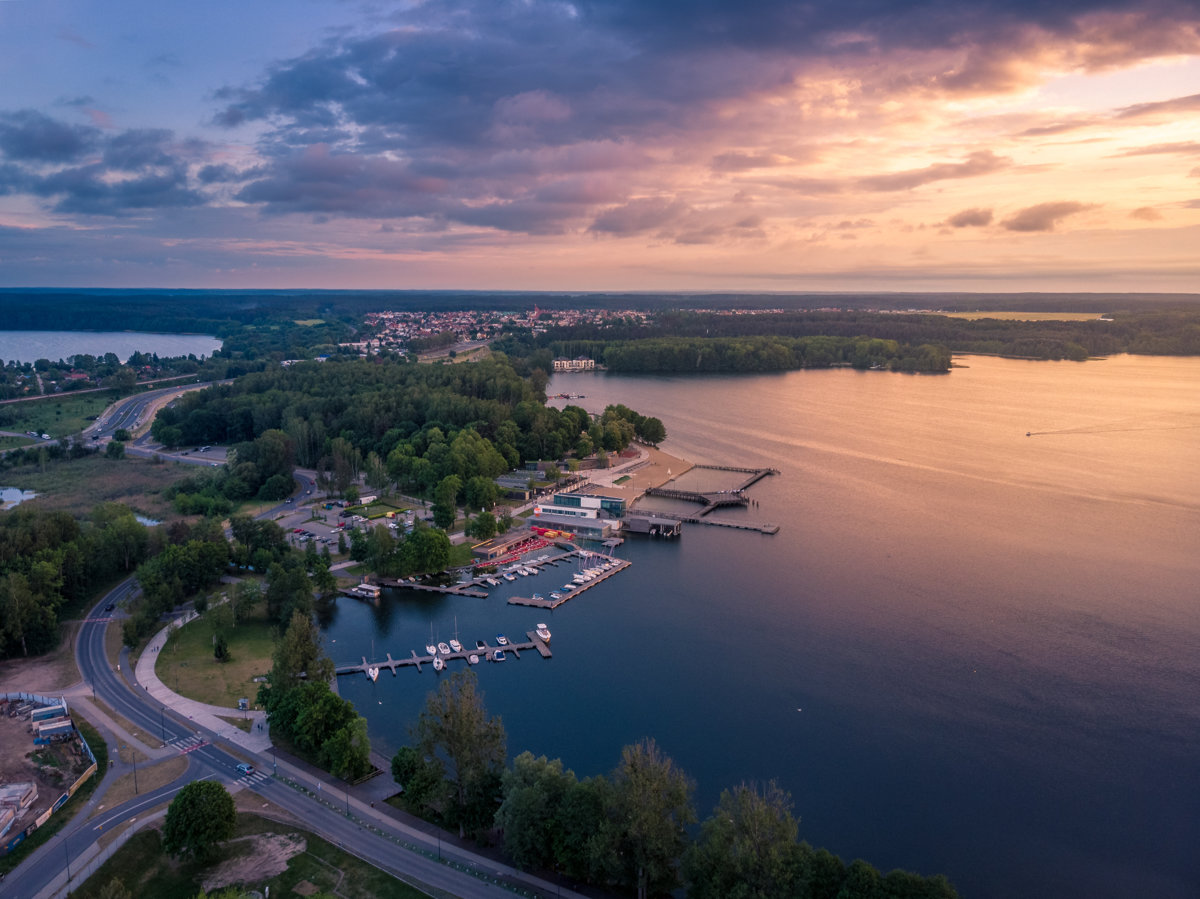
column 210, row 717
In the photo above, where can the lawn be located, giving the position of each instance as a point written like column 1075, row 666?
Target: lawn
column 57, row 415
column 187, row 665
column 7, row 443
column 145, row 870
column 76, row 486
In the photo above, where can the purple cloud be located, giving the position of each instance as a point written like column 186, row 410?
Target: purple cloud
column 1044, row 216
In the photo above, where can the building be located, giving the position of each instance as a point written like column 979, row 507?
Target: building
column 579, row 363
column 591, row 527
column 500, row 546
column 568, row 503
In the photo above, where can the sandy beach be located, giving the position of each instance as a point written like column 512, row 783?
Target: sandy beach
column 652, row 468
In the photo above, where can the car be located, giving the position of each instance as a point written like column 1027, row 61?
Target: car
column 109, row 607
column 288, row 500
column 245, row 769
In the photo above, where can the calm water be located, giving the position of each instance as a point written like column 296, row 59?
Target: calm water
column 967, row 651
column 29, row 346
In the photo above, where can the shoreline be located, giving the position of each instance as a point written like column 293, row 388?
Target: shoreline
column 652, row 468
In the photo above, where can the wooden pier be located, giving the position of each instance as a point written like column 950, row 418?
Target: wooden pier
column 717, row 499
column 621, row 565
column 488, row 653
column 456, row 589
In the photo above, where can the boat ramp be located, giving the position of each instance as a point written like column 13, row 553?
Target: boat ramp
column 532, row 643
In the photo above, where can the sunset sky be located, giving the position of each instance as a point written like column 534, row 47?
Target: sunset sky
column 602, row 144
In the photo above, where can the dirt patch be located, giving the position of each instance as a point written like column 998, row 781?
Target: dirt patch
column 45, row 674
column 266, row 856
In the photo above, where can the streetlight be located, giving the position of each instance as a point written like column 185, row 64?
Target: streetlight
column 274, row 763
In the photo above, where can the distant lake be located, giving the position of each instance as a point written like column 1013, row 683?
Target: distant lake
column 967, row 650
column 29, row 346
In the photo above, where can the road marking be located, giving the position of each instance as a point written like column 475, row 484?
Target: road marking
column 154, row 801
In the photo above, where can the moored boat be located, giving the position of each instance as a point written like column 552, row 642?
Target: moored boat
column 443, row 649
column 501, row 639
column 499, row 656
column 438, row 663
column 543, row 633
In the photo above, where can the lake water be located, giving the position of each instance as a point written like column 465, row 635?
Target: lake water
column 29, row 346
column 967, row 651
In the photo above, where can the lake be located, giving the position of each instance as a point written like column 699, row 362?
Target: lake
column 967, row 651
column 29, row 346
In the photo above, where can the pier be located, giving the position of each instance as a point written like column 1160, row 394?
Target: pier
column 456, row 589
column 620, row 565
column 532, row 643
column 719, row 498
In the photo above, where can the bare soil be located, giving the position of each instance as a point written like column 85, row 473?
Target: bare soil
column 53, row 768
column 45, row 674
column 265, row 856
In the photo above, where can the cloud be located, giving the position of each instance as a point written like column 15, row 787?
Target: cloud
column 983, row 162
column 1186, row 148
column 30, row 136
column 1169, row 108
column 970, row 218
column 1146, row 214
column 637, row 216
column 1044, row 216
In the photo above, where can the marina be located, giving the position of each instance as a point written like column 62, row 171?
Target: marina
column 540, row 602
column 735, row 496
column 535, row 643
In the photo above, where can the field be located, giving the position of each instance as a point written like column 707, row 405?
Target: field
column 187, row 666
column 264, row 853
column 1027, row 316
column 56, row 415
column 78, row 486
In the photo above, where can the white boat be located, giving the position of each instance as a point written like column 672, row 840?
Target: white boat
column 499, row 656
column 509, row 576
column 543, row 633
column 556, row 596
column 492, row 581
column 537, row 597
column 481, row 646
column 473, row 659
column 438, row 663
column 431, row 649
column 566, row 588
column 455, row 646
column 524, row 572
column 444, row 649
column 373, row 673
column 501, row 639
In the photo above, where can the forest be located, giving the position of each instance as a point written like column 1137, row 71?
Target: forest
column 395, row 422
column 675, row 332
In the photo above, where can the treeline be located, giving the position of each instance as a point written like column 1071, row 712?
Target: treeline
column 629, row 830
column 397, row 423
column 51, row 563
column 261, row 468
column 1151, row 332
column 305, row 712
column 760, row 354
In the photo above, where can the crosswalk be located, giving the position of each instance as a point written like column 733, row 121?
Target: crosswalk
column 253, row 780
column 187, row 744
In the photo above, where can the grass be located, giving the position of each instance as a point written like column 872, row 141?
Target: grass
column 76, row 486
column 187, row 665
column 460, row 554
column 7, row 443
column 149, row 777
column 145, row 870
column 58, row 415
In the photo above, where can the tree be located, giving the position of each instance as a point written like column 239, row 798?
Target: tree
column 114, row 450
column 115, row 889
column 747, row 849
column 202, row 815
column 647, row 819
column 455, row 730
column 483, row 527
column 534, row 790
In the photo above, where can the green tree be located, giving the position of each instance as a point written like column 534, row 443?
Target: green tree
column 482, row 527
column 115, row 889
column 748, row 849
column 534, row 790
column 114, row 450
column 647, row 819
column 455, row 730
column 199, row 817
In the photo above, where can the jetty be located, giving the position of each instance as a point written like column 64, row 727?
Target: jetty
column 532, row 643
column 717, row 499
column 541, row 603
column 465, row 589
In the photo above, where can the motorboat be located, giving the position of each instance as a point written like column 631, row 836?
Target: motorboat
column 501, row 639
column 499, row 656
column 455, row 646
column 473, row 659
column 543, row 633
column 481, row 646
column 444, row 649
column 509, row 576
column 537, row 597
column 373, row 673
column 556, row 596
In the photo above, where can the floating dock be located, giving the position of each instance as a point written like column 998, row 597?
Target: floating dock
column 717, row 499
column 620, row 565
column 533, row 642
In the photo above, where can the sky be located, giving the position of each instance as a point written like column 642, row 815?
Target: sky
column 712, row 145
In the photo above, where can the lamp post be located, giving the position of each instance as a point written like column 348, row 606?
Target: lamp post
column 274, row 763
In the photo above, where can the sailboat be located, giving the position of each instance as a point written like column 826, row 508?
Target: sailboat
column 454, row 644
column 431, row 647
